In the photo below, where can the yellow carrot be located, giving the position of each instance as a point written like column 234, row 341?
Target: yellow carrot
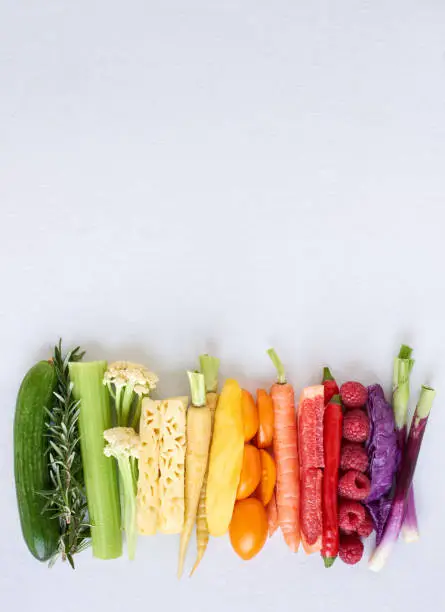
column 199, row 422
column 226, row 459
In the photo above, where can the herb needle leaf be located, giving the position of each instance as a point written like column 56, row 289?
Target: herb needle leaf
column 67, row 500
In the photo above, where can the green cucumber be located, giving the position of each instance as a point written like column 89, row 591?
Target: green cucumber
column 40, row 531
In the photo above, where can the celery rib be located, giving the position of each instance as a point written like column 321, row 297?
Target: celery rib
column 100, row 472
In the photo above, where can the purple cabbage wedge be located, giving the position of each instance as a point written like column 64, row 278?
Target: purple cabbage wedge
column 382, row 444
column 404, row 480
column 383, row 455
column 379, row 511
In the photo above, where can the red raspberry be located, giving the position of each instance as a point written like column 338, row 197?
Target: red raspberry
column 366, row 527
column 351, row 549
column 354, row 485
column 356, row 425
column 353, row 394
column 354, row 457
column 351, row 515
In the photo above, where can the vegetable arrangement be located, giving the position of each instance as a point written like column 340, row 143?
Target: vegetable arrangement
column 98, row 461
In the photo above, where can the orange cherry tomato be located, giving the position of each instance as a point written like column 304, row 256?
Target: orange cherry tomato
column 248, row 528
column 250, row 415
column 265, row 415
column 250, row 472
column 266, row 487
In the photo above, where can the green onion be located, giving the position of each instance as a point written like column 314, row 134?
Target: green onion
column 403, row 364
column 100, row 472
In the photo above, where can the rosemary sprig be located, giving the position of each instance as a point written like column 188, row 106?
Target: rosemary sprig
column 67, row 499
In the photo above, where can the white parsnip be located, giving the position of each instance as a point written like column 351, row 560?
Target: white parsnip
column 202, row 530
column 199, row 429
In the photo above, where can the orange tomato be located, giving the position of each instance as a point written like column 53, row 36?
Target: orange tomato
column 250, row 415
column 265, row 416
column 248, row 528
column 266, row 487
column 250, row 472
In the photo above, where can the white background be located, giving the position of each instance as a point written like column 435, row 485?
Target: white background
column 177, row 177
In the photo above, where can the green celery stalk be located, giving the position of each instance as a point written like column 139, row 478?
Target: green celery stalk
column 100, row 472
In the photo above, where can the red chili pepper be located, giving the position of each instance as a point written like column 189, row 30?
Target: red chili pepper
column 332, row 433
column 330, row 386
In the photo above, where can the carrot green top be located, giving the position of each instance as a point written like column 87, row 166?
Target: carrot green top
column 209, row 367
column 197, row 389
column 281, row 374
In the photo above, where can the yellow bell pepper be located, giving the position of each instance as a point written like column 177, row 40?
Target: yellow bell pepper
column 226, row 459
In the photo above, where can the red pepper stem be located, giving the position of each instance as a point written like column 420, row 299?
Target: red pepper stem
column 335, row 399
column 327, row 374
column 329, row 561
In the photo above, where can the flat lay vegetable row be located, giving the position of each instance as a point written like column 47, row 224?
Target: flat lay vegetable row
column 99, row 461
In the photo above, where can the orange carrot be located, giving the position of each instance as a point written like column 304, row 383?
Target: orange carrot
column 272, row 515
column 286, row 456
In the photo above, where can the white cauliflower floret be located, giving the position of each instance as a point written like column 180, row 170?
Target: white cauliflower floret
column 124, row 445
column 128, row 383
column 122, row 442
column 121, row 373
